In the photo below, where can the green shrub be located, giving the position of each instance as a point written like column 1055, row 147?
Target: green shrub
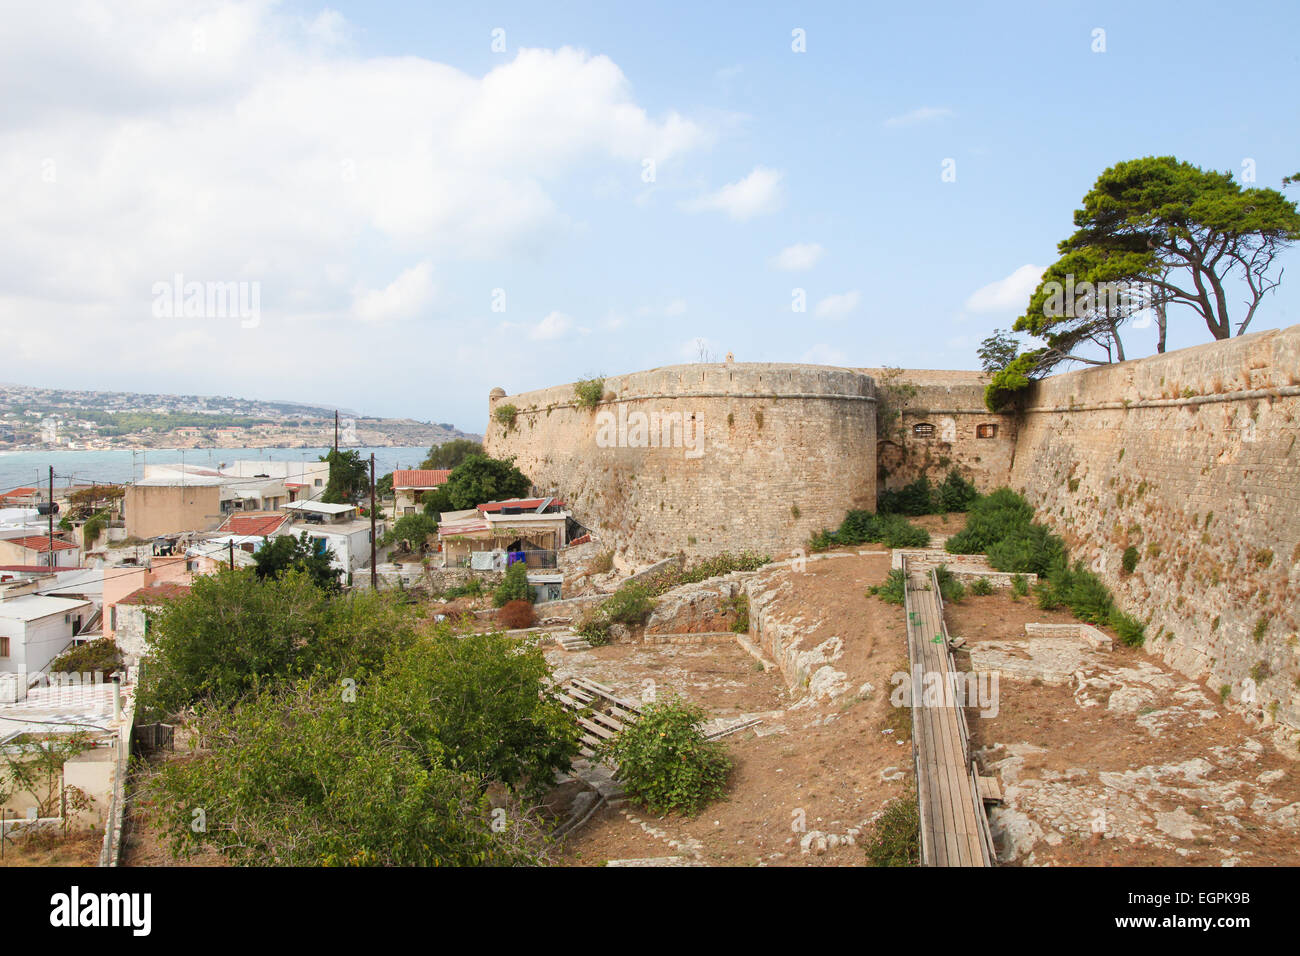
column 916, row 498
column 861, row 527
column 593, row 627
column 1028, row 550
column 589, row 391
column 630, row 605
column 895, row 837
column 893, row 590
column 956, row 493
column 101, row 654
column 505, row 415
column 472, row 588
column 664, row 761
column 514, row 586
column 1080, row 590
column 983, row 587
column 724, row 563
column 1019, row 585
column 992, row 518
column 1130, row 560
column 740, row 604
column 951, row 588
column 1131, row 631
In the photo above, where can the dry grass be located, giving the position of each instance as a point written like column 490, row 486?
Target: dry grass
column 52, row 848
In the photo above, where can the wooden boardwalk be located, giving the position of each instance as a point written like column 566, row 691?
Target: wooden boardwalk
column 954, row 827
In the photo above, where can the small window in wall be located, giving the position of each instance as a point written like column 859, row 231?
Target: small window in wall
column 986, row 431
column 4, row 647
column 923, row 430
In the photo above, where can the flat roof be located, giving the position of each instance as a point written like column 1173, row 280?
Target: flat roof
column 319, row 507
column 32, row 607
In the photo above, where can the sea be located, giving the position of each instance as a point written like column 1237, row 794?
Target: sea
column 72, row 466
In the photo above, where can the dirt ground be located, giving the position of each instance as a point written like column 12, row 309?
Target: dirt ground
column 810, row 767
column 1130, row 763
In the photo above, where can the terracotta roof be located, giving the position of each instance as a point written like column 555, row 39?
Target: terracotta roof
column 420, row 477
column 42, row 544
column 18, row 493
column 159, row 592
column 42, row 568
column 259, row 525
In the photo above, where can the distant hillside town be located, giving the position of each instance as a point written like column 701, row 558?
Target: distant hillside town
column 33, row 418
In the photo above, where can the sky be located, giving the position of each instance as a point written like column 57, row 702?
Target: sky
column 417, row 202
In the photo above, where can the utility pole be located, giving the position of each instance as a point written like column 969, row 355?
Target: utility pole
column 50, row 514
column 374, row 568
column 231, row 542
column 336, row 431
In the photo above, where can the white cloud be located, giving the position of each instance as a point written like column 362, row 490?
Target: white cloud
column 837, row 306
column 756, row 194
column 1006, row 295
column 675, row 308
column 800, row 256
column 924, row 114
column 822, row 354
column 234, row 142
column 553, row 326
column 404, row 298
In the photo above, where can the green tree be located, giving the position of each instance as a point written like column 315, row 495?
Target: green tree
column 664, row 761
column 514, row 586
column 234, row 634
column 436, row 502
column 479, row 479
column 452, row 453
column 415, row 528
column 306, row 777
column 1187, row 232
column 997, row 351
column 278, row 555
column 349, row 479
column 384, row 486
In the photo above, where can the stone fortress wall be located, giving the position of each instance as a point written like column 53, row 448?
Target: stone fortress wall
column 766, row 454
column 1189, row 457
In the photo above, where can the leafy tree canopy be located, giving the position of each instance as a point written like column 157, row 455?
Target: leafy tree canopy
column 479, row 478
column 349, row 479
column 1153, row 233
column 234, row 634
column 284, row 553
column 452, row 453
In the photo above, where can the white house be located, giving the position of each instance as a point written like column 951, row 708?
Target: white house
column 35, row 629
column 336, row 527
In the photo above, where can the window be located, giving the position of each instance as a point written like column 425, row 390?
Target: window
column 986, row 431
column 923, row 430
column 4, row 647
column 319, row 482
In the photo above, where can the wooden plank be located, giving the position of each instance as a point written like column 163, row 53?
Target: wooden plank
column 990, row 789
column 954, row 830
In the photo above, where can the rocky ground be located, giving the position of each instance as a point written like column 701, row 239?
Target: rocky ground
column 1108, row 757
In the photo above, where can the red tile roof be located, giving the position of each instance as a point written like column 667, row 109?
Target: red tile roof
column 420, row 477
column 18, row 493
column 42, row 544
column 159, row 592
column 259, row 525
